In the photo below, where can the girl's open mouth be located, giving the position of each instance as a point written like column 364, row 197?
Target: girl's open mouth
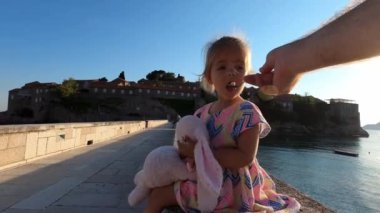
column 232, row 85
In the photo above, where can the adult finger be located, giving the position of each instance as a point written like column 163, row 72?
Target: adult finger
column 268, row 65
column 253, row 79
column 267, row 78
column 259, row 79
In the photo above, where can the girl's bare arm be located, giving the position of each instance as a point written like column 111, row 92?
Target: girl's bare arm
column 243, row 154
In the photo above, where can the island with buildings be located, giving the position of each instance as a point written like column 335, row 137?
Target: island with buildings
column 163, row 95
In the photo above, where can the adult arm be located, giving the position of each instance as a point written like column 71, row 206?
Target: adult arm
column 351, row 37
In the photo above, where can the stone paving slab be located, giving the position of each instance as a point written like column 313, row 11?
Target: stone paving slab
column 45, row 197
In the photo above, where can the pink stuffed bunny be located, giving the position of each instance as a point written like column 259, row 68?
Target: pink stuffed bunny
column 165, row 165
column 162, row 166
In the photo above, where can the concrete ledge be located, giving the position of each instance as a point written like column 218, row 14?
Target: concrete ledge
column 20, row 144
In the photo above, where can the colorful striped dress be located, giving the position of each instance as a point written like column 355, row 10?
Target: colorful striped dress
column 248, row 189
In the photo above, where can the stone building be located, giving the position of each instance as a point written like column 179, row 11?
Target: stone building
column 344, row 111
column 32, row 99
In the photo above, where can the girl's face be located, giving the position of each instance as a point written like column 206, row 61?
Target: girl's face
column 227, row 72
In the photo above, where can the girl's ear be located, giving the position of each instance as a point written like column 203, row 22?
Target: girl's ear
column 208, row 76
column 250, row 72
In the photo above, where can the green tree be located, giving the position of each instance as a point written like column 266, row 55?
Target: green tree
column 160, row 75
column 169, row 76
column 155, row 75
column 180, row 78
column 68, row 87
column 103, row 79
column 121, row 75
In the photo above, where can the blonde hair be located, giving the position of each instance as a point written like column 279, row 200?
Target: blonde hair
column 214, row 47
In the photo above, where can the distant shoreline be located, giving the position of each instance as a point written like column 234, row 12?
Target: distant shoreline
column 372, row 126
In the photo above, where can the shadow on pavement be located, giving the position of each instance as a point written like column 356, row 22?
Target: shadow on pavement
column 95, row 178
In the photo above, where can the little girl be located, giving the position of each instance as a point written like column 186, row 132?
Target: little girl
column 235, row 126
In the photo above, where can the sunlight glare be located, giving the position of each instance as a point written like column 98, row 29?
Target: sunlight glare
column 366, row 89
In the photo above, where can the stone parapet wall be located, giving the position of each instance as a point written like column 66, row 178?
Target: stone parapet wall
column 22, row 143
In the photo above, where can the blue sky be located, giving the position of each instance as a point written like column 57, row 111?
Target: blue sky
column 52, row 40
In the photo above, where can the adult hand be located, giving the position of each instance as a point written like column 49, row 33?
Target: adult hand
column 277, row 75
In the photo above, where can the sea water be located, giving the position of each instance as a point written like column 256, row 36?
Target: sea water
column 342, row 183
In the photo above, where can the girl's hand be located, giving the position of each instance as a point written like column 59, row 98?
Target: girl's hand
column 186, row 147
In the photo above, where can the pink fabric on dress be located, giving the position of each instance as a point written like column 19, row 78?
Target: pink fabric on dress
column 248, row 189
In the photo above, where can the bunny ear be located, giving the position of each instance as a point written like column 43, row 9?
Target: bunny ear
column 175, row 143
column 177, row 135
column 209, row 173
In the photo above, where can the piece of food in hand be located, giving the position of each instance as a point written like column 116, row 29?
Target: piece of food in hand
column 269, row 90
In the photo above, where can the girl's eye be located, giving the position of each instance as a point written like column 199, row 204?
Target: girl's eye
column 222, row 68
column 240, row 68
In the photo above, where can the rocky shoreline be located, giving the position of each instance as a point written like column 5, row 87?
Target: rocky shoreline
column 308, row 205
